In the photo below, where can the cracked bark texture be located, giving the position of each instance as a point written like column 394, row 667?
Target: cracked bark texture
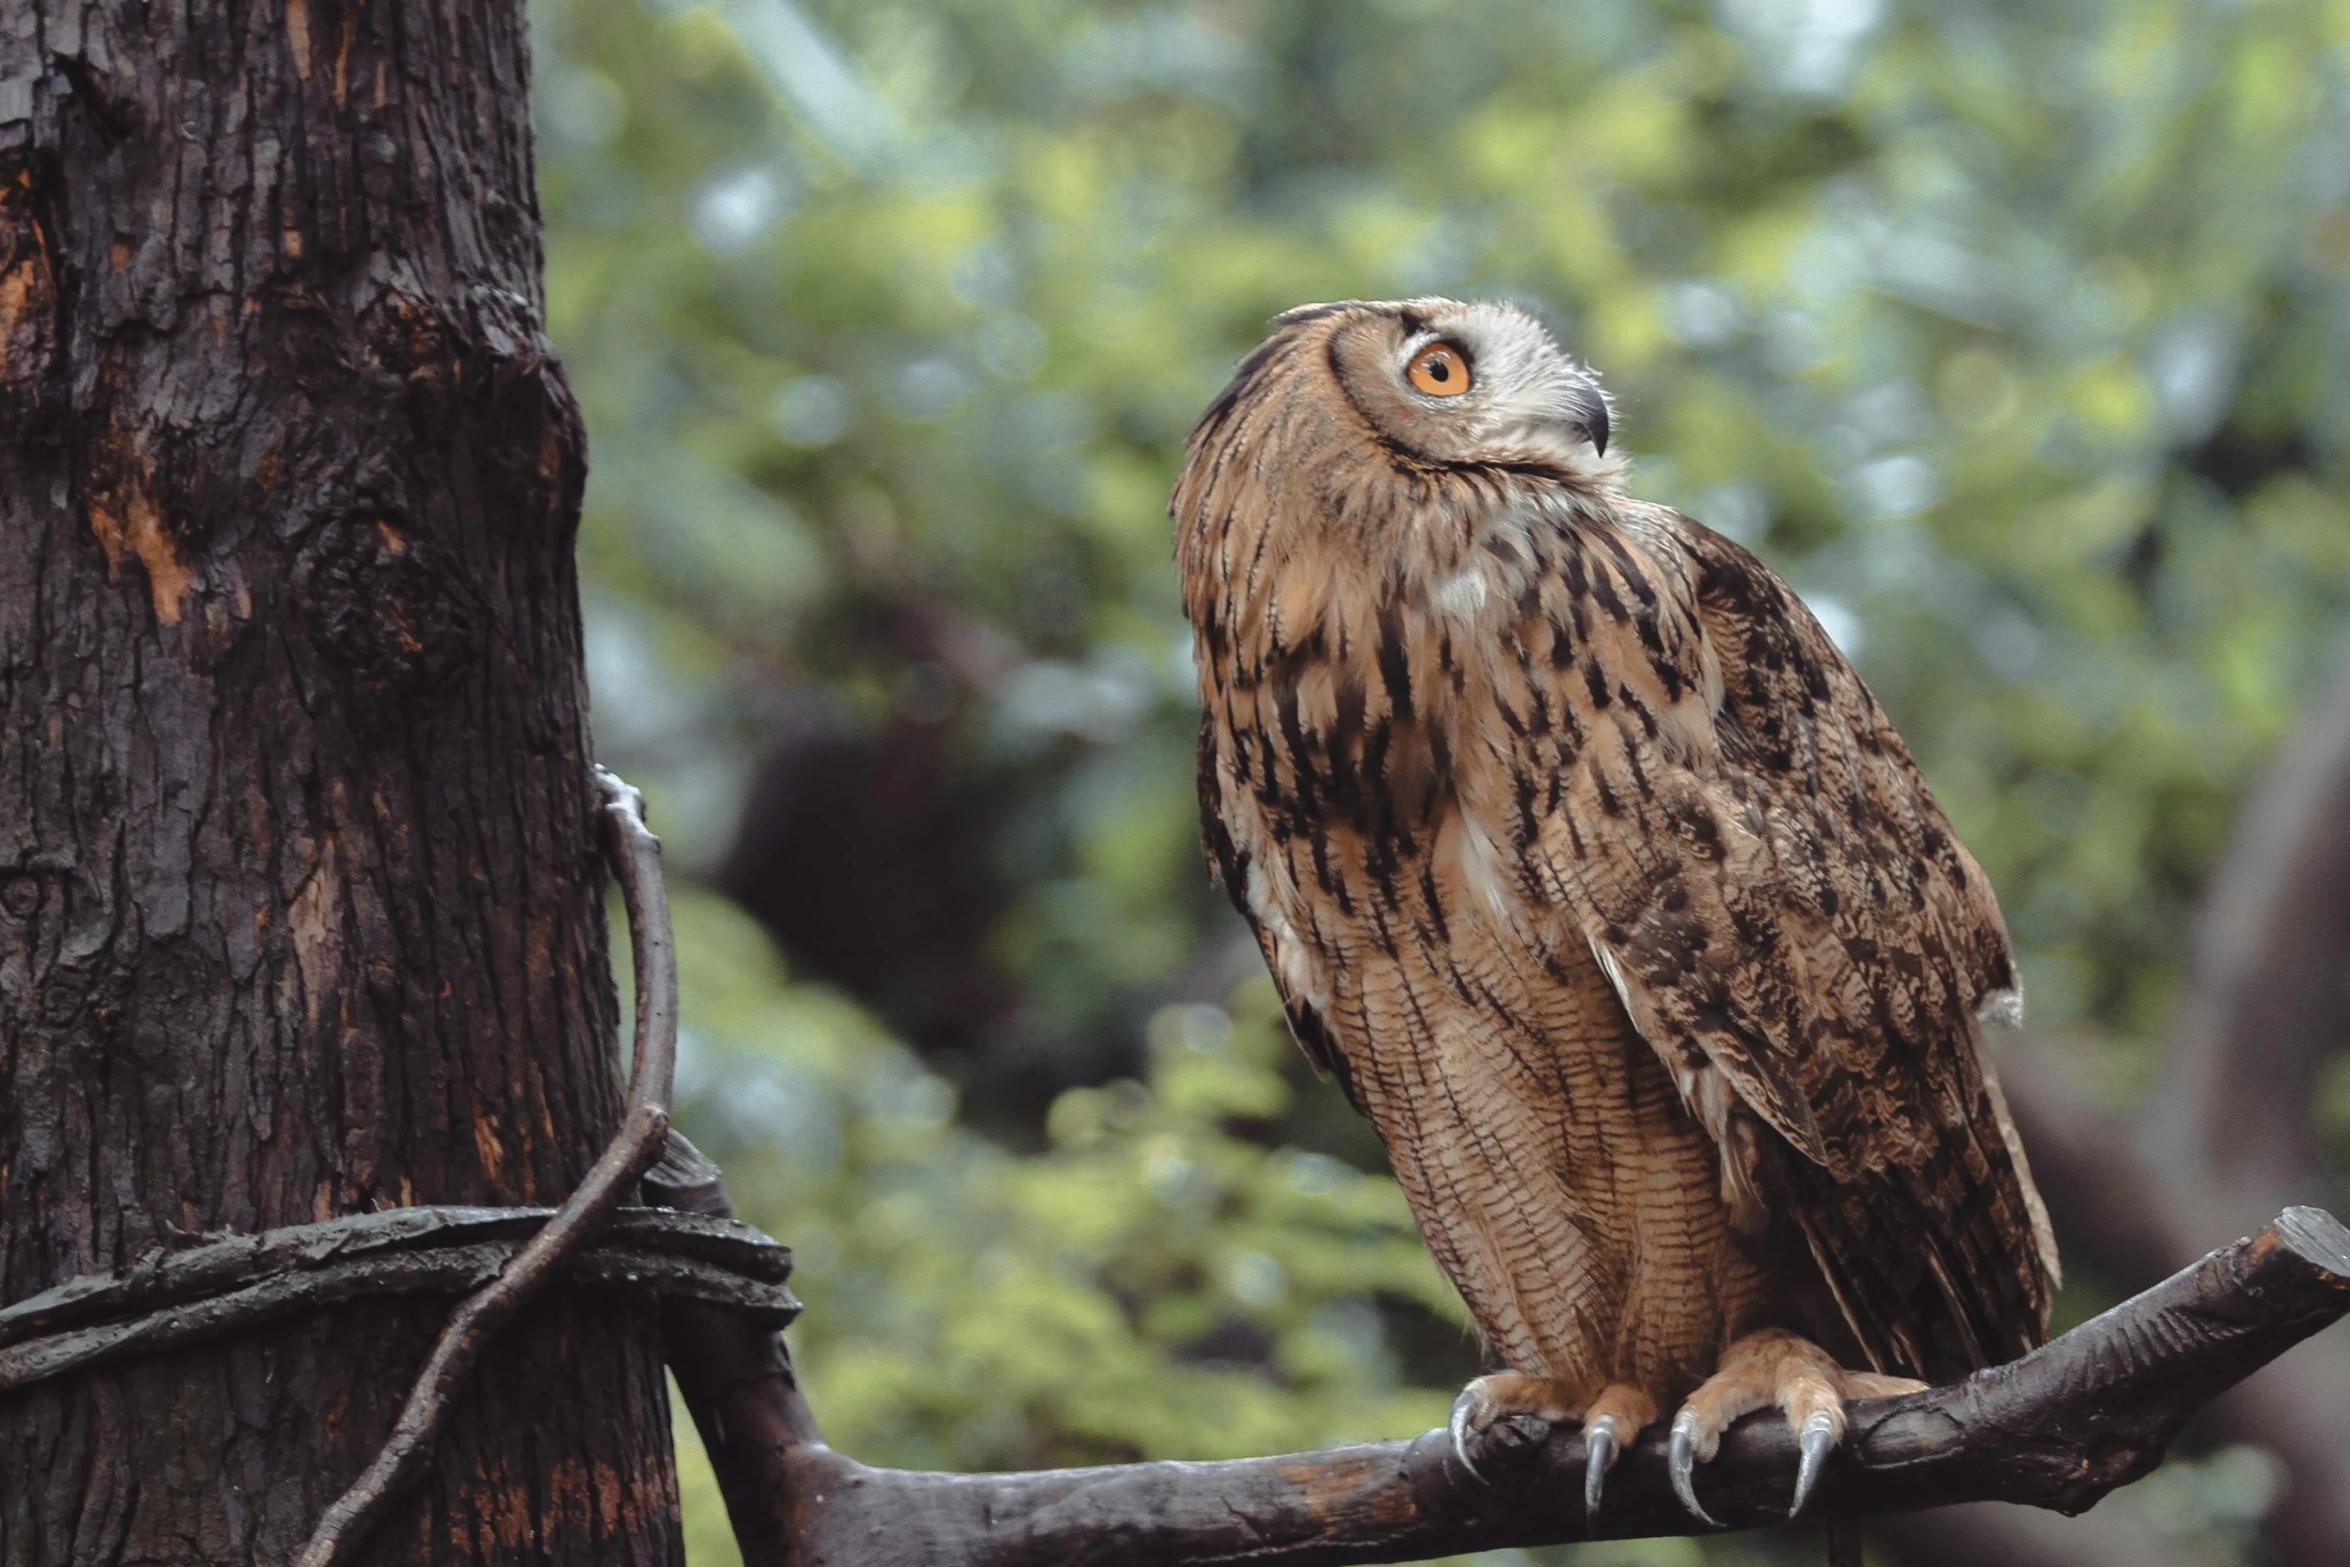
column 300, row 907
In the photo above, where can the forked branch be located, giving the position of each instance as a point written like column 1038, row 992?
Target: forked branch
column 2058, row 1428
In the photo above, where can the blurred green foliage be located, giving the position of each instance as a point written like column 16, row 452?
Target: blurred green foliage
column 1150, row 1286
column 2014, row 335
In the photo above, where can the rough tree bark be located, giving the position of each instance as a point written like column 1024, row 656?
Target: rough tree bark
column 300, row 904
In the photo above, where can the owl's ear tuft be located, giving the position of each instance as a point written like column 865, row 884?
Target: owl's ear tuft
column 1298, row 315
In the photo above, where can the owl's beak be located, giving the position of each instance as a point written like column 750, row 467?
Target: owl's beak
column 1590, row 412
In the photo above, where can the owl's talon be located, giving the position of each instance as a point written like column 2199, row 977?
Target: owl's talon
column 1818, row 1438
column 1463, row 1409
column 1504, row 1416
column 1599, row 1453
column 1681, row 1462
column 1599, row 1456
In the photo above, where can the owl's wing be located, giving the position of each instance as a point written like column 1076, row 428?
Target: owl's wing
column 1778, row 899
column 1284, row 953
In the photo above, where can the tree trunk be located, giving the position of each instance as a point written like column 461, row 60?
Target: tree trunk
column 300, row 906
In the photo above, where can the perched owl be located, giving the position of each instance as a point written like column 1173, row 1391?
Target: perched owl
column 1592, row 870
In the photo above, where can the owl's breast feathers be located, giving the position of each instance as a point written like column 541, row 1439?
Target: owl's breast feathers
column 1620, row 727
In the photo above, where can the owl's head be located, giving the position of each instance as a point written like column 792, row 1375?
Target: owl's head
column 1446, row 382
column 1396, row 434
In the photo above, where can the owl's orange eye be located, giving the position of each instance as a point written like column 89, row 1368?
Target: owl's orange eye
column 1439, row 370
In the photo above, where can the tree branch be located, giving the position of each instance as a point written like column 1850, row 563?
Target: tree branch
column 2229, row 1134
column 2058, row 1428
column 737, row 1381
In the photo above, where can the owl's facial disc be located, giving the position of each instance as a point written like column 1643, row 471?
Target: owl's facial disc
column 1456, row 382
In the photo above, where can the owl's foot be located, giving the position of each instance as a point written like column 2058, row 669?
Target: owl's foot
column 1618, row 1415
column 1773, row 1368
column 1512, row 1400
column 1507, row 1401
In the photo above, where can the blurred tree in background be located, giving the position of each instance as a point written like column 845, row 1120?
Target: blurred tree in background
column 2014, row 335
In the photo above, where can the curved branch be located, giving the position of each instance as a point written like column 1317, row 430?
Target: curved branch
column 2231, row 1133
column 2058, row 1428
column 737, row 1381
column 2229, row 1136
column 636, row 859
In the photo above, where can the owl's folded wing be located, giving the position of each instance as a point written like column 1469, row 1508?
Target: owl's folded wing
column 1782, row 902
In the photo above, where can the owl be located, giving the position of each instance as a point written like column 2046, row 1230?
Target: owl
column 1585, row 862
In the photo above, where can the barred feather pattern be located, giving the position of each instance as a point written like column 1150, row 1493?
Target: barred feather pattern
column 1588, row 864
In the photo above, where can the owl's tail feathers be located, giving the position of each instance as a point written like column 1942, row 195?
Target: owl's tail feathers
column 1929, row 1250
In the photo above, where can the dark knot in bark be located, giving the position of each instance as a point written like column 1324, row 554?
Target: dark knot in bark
column 387, row 604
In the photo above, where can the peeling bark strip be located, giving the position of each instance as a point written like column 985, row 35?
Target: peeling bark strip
column 300, row 901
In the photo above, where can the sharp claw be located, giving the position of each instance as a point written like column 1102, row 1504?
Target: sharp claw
column 1599, row 1455
column 1680, row 1461
column 1462, row 1408
column 1819, row 1435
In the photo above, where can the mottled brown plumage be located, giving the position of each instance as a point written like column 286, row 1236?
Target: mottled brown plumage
column 1587, row 863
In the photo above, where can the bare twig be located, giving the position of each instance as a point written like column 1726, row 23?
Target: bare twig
column 635, row 855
